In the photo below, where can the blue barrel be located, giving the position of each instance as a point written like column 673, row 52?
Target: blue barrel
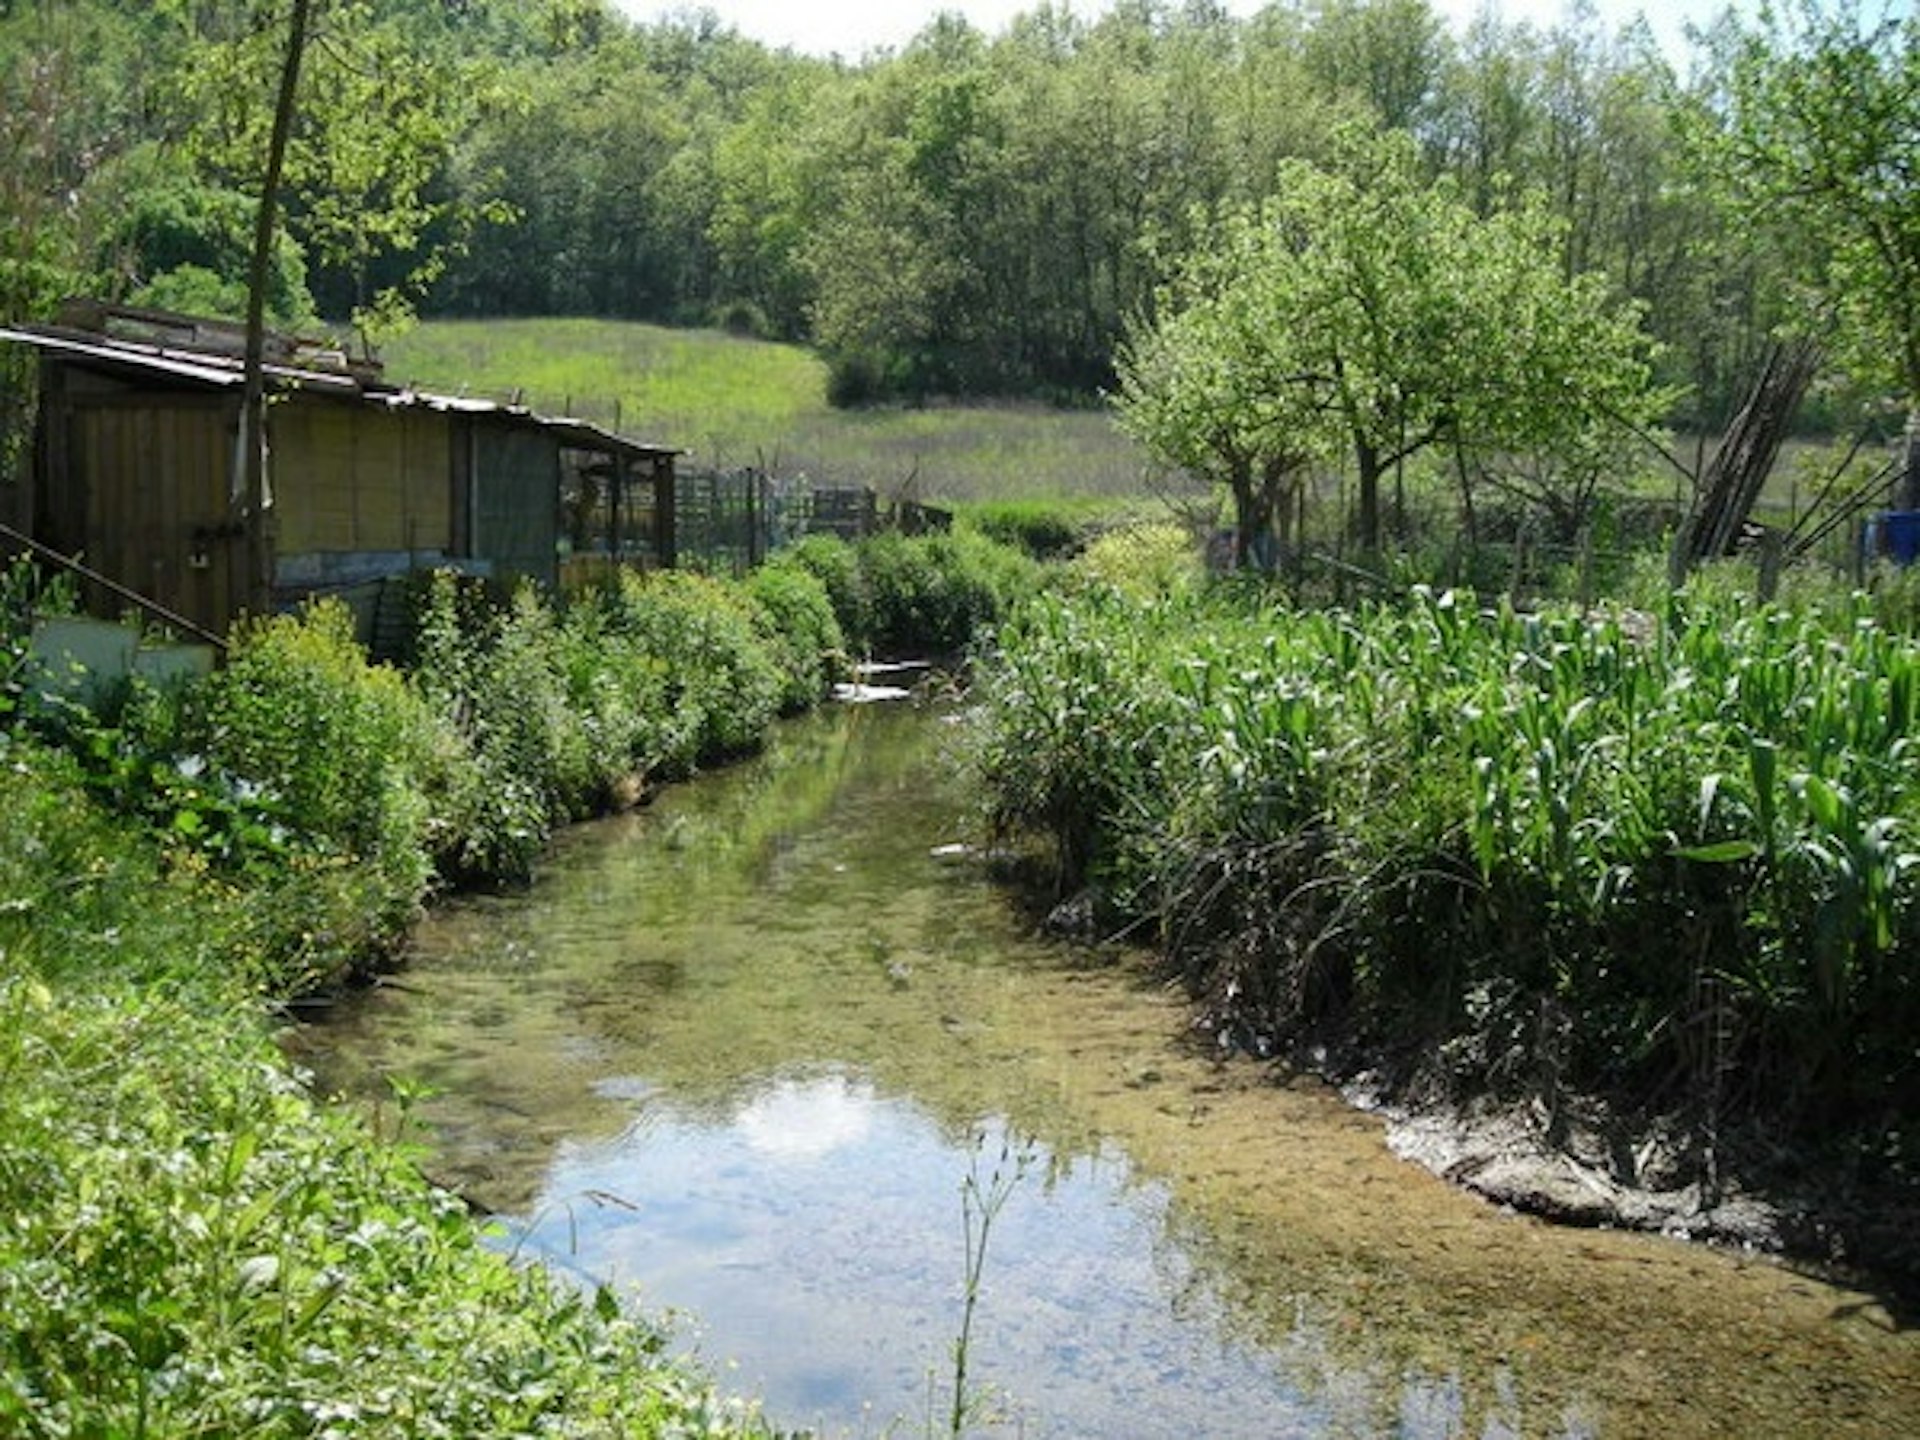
column 1901, row 529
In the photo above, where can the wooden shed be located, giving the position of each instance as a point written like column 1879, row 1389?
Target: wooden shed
column 138, row 470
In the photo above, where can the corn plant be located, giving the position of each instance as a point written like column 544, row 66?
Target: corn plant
column 1467, row 819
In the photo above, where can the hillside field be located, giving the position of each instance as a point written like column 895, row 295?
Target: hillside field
column 735, row 401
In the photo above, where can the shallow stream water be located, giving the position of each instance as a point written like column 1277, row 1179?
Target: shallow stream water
column 770, row 1052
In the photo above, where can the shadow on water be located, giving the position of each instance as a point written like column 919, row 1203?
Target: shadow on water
column 737, row 1053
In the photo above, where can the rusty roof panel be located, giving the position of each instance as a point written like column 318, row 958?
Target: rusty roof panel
column 225, row 371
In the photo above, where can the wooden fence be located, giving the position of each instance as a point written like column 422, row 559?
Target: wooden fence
column 731, row 520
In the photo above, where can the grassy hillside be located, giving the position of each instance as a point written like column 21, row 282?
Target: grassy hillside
column 736, row 401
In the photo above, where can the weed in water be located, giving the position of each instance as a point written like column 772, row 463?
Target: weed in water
column 981, row 1202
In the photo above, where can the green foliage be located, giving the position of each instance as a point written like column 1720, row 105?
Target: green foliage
column 1366, row 309
column 971, row 214
column 1144, row 561
column 1045, row 529
column 174, row 242
column 366, row 169
column 722, row 686
column 299, row 776
column 837, row 566
column 795, row 618
column 300, row 723
column 563, row 714
column 490, row 673
column 89, row 896
column 1810, row 127
column 931, row 594
column 197, row 1248
column 1553, row 846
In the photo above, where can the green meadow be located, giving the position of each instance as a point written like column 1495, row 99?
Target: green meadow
column 729, row 400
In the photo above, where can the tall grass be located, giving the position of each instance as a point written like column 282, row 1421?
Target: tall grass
column 1673, row 860
column 734, row 401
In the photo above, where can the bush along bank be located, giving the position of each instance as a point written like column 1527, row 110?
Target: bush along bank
column 1632, row 876
column 193, row 1245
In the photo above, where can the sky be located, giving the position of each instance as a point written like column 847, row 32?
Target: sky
column 850, row 28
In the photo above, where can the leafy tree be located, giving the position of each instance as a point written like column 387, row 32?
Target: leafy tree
column 1366, row 310
column 1814, row 127
column 376, row 121
column 1223, row 384
column 761, row 203
column 172, row 241
column 898, row 300
column 1386, row 53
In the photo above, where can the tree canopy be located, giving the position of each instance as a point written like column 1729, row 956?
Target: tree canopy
column 1366, row 308
column 1813, row 126
column 981, row 213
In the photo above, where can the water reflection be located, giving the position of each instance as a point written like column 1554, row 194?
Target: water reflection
column 816, row 1232
column 739, row 1050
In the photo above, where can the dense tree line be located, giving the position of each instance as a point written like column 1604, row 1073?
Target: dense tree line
column 974, row 213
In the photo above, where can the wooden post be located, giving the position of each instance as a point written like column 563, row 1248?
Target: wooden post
column 665, row 532
column 756, row 552
column 1773, row 550
column 253, row 422
column 618, row 481
column 1518, row 577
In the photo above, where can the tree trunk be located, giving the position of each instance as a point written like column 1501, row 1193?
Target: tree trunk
column 1737, row 472
column 1367, row 457
column 1253, row 515
column 253, row 407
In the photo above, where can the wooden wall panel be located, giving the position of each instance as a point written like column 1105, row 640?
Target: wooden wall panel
column 358, row 478
column 428, row 497
column 153, row 472
column 313, row 476
column 517, row 488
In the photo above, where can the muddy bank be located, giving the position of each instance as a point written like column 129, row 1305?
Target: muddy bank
column 1584, row 1168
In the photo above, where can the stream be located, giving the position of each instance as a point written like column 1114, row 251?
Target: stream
column 775, row 1055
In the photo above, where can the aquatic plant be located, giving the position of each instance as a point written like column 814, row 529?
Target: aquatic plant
column 980, row 1205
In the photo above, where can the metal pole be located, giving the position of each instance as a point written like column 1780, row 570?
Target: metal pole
column 132, row 597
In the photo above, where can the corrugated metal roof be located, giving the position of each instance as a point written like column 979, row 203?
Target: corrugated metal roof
column 226, row 373
column 125, row 356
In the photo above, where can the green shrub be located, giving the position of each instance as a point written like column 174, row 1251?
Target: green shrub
column 91, row 895
column 931, row 594
column 194, row 1247
column 794, row 616
column 303, row 727
column 497, row 795
column 618, row 693
column 1043, row 529
column 1144, row 561
column 721, row 684
column 836, row 565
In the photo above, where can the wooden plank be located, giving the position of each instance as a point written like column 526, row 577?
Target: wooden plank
column 429, row 460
